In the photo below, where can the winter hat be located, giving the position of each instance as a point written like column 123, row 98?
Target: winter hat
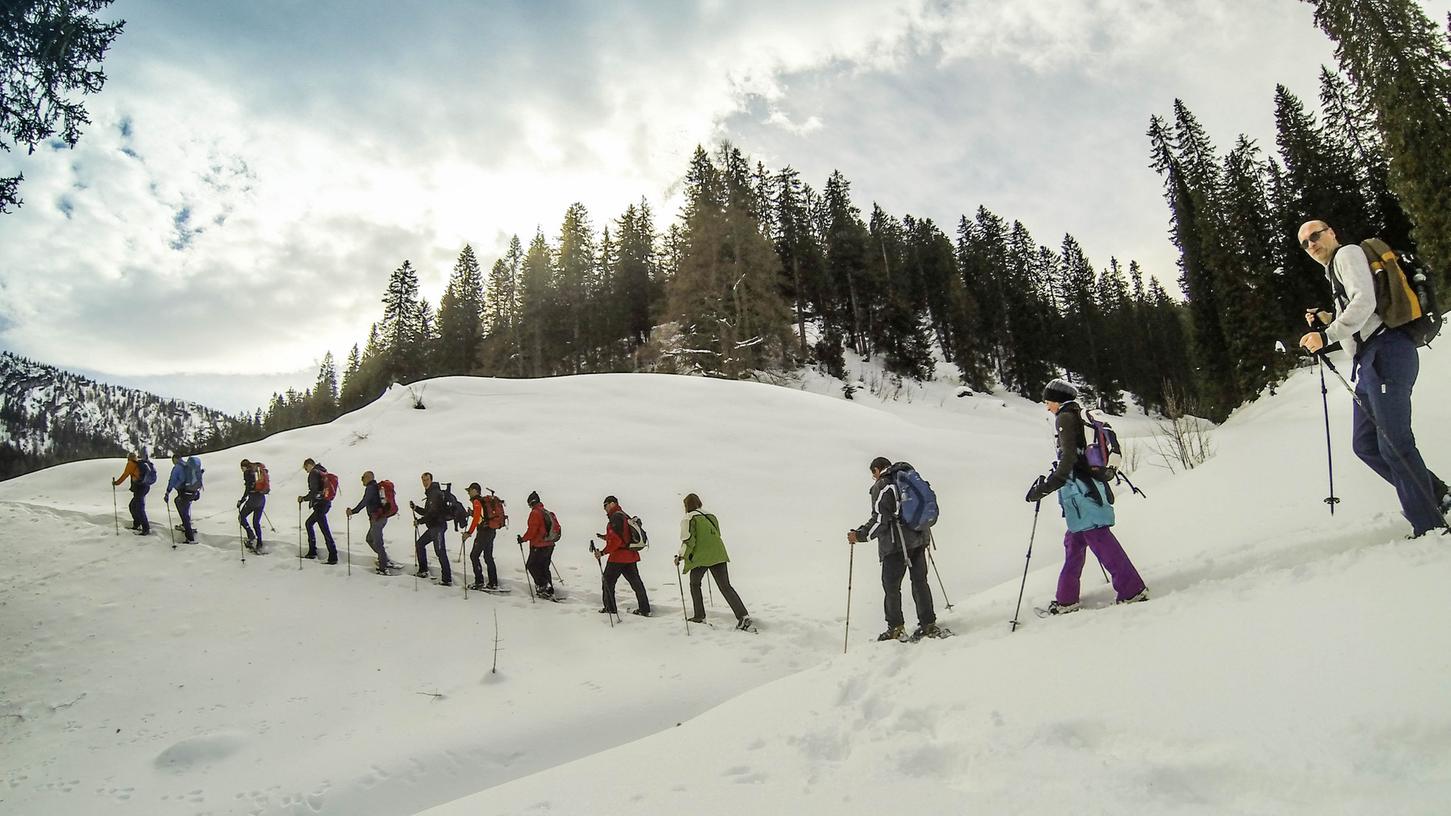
column 611, row 500
column 880, row 463
column 533, row 499
column 474, row 486
column 1060, row 390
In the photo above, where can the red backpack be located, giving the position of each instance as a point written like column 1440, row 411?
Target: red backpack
column 262, row 484
column 494, row 511
column 390, row 501
column 329, row 486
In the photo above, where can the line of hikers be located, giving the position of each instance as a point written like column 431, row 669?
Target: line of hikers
column 1384, row 310
column 702, row 550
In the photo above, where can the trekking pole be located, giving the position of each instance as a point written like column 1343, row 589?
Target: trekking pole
column 608, row 614
column 931, row 545
column 1405, row 465
column 710, row 592
column 1104, row 570
column 115, row 511
column 417, row 565
column 528, row 582
column 462, row 538
column 679, row 582
column 556, row 571
column 169, row 526
column 269, row 521
column 1331, row 499
column 349, row 523
column 1027, row 560
column 299, row 535
column 850, row 569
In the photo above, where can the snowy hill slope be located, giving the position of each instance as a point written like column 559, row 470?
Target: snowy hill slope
column 1274, row 672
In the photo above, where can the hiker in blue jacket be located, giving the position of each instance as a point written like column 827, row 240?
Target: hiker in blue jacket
column 186, row 482
column 902, row 551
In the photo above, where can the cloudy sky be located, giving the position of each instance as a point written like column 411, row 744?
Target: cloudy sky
column 255, row 170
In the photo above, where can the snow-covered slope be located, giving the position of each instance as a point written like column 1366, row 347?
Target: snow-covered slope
column 1288, row 663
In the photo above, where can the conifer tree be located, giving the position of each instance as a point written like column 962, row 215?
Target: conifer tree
column 845, row 244
column 574, row 281
column 635, row 274
column 460, row 318
column 503, row 354
column 401, row 334
column 324, row 405
column 536, row 296
column 1401, row 65
column 1350, row 127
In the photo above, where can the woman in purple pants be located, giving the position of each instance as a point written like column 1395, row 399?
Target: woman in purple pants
column 1087, row 507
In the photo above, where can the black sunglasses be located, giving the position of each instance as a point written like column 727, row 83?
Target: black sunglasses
column 1314, row 237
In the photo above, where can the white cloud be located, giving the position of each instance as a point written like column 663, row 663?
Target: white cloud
column 254, row 172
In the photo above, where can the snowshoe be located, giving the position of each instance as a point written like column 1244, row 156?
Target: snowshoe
column 1139, row 598
column 700, row 619
column 930, row 630
column 1056, row 608
column 746, row 625
column 644, row 613
column 895, row 633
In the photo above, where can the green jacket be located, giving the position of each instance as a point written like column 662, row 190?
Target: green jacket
column 701, row 544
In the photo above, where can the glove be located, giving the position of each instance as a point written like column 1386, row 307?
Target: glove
column 1036, row 492
column 677, row 560
column 239, row 504
column 519, row 539
column 301, row 499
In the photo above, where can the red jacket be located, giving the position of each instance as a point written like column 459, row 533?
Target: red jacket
column 534, row 534
column 478, row 516
column 617, row 539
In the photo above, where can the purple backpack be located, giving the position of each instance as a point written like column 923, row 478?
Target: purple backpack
column 1101, row 451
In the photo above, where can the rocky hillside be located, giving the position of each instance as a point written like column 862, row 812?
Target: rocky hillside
column 48, row 416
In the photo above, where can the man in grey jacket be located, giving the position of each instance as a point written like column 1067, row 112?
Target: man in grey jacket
column 902, row 550
column 1385, row 368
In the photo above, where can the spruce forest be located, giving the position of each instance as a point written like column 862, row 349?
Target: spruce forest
column 761, row 273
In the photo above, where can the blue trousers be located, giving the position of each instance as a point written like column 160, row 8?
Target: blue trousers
column 1388, row 367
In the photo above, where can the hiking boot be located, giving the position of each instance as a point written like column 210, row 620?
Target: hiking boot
column 607, row 612
column 489, row 585
column 479, row 586
column 895, row 633
column 1056, row 608
column 1142, row 596
column 423, row 573
column 311, row 554
column 931, row 630
column 644, row 613
column 697, row 619
column 331, row 559
column 744, row 623
column 445, row 582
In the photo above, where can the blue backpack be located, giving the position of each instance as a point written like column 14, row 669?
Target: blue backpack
column 148, row 472
column 916, row 503
column 192, row 473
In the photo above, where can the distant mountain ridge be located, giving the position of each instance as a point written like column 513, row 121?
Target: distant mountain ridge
column 49, row 415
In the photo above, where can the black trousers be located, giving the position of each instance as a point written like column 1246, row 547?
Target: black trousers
column 318, row 519
column 484, row 545
column 435, row 536
column 613, row 571
column 893, row 569
column 723, row 580
column 538, row 565
column 138, row 507
column 183, row 510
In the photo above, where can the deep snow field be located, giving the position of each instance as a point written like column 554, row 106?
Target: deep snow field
column 1288, row 662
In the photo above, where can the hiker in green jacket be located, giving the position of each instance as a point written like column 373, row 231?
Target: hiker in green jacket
column 702, row 550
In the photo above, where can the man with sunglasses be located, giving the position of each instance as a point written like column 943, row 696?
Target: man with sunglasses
column 1385, row 367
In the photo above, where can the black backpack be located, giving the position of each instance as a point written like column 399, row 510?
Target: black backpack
column 453, row 509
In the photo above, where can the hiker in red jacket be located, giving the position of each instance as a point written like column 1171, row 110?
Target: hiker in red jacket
column 541, row 546
column 622, row 560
